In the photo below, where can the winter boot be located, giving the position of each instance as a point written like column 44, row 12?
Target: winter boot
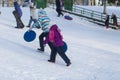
column 39, row 49
column 68, row 64
column 51, row 61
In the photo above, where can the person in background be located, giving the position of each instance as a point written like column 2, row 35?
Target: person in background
column 18, row 10
column 59, row 5
column 107, row 21
column 33, row 14
column 114, row 20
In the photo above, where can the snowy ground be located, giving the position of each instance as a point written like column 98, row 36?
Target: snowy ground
column 109, row 9
column 93, row 50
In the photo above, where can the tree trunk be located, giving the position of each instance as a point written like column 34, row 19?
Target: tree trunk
column 104, row 4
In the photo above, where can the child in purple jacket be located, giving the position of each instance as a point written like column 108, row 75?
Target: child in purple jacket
column 55, row 38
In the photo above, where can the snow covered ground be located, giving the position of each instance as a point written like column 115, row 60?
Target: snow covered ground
column 94, row 51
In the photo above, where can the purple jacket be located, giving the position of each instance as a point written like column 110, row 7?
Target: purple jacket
column 55, row 38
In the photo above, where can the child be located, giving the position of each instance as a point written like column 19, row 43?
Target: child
column 55, row 38
column 33, row 15
column 43, row 22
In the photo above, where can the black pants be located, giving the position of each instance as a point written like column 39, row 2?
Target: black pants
column 59, row 11
column 41, row 39
column 59, row 50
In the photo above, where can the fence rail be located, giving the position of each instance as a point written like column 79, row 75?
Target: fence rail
column 97, row 17
column 91, row 15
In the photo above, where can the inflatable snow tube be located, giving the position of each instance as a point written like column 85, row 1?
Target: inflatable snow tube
column 68, row 17
column 64, row 47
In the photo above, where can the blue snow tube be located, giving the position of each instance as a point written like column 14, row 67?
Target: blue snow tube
column 29, row 36
column 68, row 17
column 64, row 47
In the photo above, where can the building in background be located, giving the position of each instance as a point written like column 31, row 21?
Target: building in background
column 86, row 2
column 92, row 2
column 9, row 3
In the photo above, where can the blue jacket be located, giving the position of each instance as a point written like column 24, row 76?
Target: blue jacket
column 17, row 9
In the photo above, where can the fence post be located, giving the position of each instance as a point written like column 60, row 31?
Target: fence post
column 92, row 13
column 83, row 11
column 74, row 9
column 101, row 17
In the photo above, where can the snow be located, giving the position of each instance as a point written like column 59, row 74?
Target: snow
column 109, row 9
column 93, row 50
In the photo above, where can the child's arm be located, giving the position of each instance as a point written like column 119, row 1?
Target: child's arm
column 51, row 36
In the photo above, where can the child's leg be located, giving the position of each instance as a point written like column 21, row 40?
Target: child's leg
column 63, row 55
column 53, row 54
column 41, row 40
column 30, row 21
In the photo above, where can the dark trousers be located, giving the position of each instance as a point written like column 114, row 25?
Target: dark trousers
column 41, row 39
column 59, row 50
column 59, row 11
